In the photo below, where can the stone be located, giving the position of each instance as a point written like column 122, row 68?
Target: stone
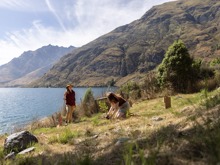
column 27, row 151
column 95, row 136
column 122, row 140
column 155, row 118
column 19, row 141
column 11, row 155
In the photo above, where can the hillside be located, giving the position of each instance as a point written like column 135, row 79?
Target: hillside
column 31, row 65
column 187, row 133
column 136, row 48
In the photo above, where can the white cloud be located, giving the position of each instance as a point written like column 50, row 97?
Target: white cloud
column 23, row 5
column 53, row 10
column 81, row 21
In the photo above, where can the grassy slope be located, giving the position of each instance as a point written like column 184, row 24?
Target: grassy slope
column 187, row 134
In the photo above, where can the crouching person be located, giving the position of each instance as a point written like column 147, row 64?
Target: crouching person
column 119, row 106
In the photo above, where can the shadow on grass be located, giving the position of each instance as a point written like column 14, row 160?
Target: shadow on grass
column 198, row 144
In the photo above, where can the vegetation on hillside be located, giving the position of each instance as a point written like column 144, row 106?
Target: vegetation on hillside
column 177, row 73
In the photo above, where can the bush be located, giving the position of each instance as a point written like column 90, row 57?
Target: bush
column 176, row 68
column 209, row 84
column 89, row 104
column 130, row 90
column 150, row 86
column 103, row 106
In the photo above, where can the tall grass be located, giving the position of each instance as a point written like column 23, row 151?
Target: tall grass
column 64, row 137
column 144, row 155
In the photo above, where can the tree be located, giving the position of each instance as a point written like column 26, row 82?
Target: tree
column 111, row 83
column 88, row 104
column 176, row 68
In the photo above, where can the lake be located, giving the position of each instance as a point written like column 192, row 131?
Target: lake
column 20, row 106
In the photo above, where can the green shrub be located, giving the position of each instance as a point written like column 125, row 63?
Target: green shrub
column 130, row 90
column 176, row 68
column 88, row 104
column 150, row 86
column 103, row 107
column 95, row 120
column 111, row 83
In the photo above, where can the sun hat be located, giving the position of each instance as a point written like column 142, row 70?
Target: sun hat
column 69, row 85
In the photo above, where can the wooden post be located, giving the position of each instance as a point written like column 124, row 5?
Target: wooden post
column 167, row 101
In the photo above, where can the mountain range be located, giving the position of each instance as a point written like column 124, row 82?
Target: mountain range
column 31, row 65
column 134, row 49
column 126, row 53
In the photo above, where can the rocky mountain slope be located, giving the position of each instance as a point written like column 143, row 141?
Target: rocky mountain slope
column 31, row 65
column 138, row 47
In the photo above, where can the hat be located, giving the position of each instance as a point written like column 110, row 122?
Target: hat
column 108, row 94
column 69, row 85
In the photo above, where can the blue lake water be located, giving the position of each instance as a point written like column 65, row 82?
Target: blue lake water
column 20, row 106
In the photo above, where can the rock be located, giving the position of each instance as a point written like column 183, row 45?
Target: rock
column 19, row 141
column 155, row 118
column 27, row 150
column 95, row 136
column 122, row 140
column 11, row 155
column 185, row 109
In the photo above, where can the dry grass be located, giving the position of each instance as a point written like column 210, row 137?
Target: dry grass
column 156, row 141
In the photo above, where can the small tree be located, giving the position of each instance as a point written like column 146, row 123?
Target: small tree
column 111, row 83
column 88, row 103
column 176, row 68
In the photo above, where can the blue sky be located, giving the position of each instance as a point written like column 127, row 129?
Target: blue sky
column 31, row 24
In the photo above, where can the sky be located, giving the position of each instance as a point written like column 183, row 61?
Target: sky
column 31, row 24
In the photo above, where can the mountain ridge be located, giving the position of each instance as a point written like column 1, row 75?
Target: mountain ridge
column 28, row 62
column 136, row 48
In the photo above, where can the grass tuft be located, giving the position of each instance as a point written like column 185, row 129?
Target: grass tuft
column 65, row 137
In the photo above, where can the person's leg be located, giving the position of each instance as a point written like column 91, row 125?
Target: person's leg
column 71, row 113
column 121, row 114
column 68, row 113
column 110, row 112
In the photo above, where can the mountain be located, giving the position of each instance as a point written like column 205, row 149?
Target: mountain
column 31, row 65
column 136, row 48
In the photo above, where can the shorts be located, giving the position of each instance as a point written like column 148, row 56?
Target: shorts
column 123, row 109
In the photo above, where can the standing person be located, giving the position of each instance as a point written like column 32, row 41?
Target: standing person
column 69, row 96
column 119, row 106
